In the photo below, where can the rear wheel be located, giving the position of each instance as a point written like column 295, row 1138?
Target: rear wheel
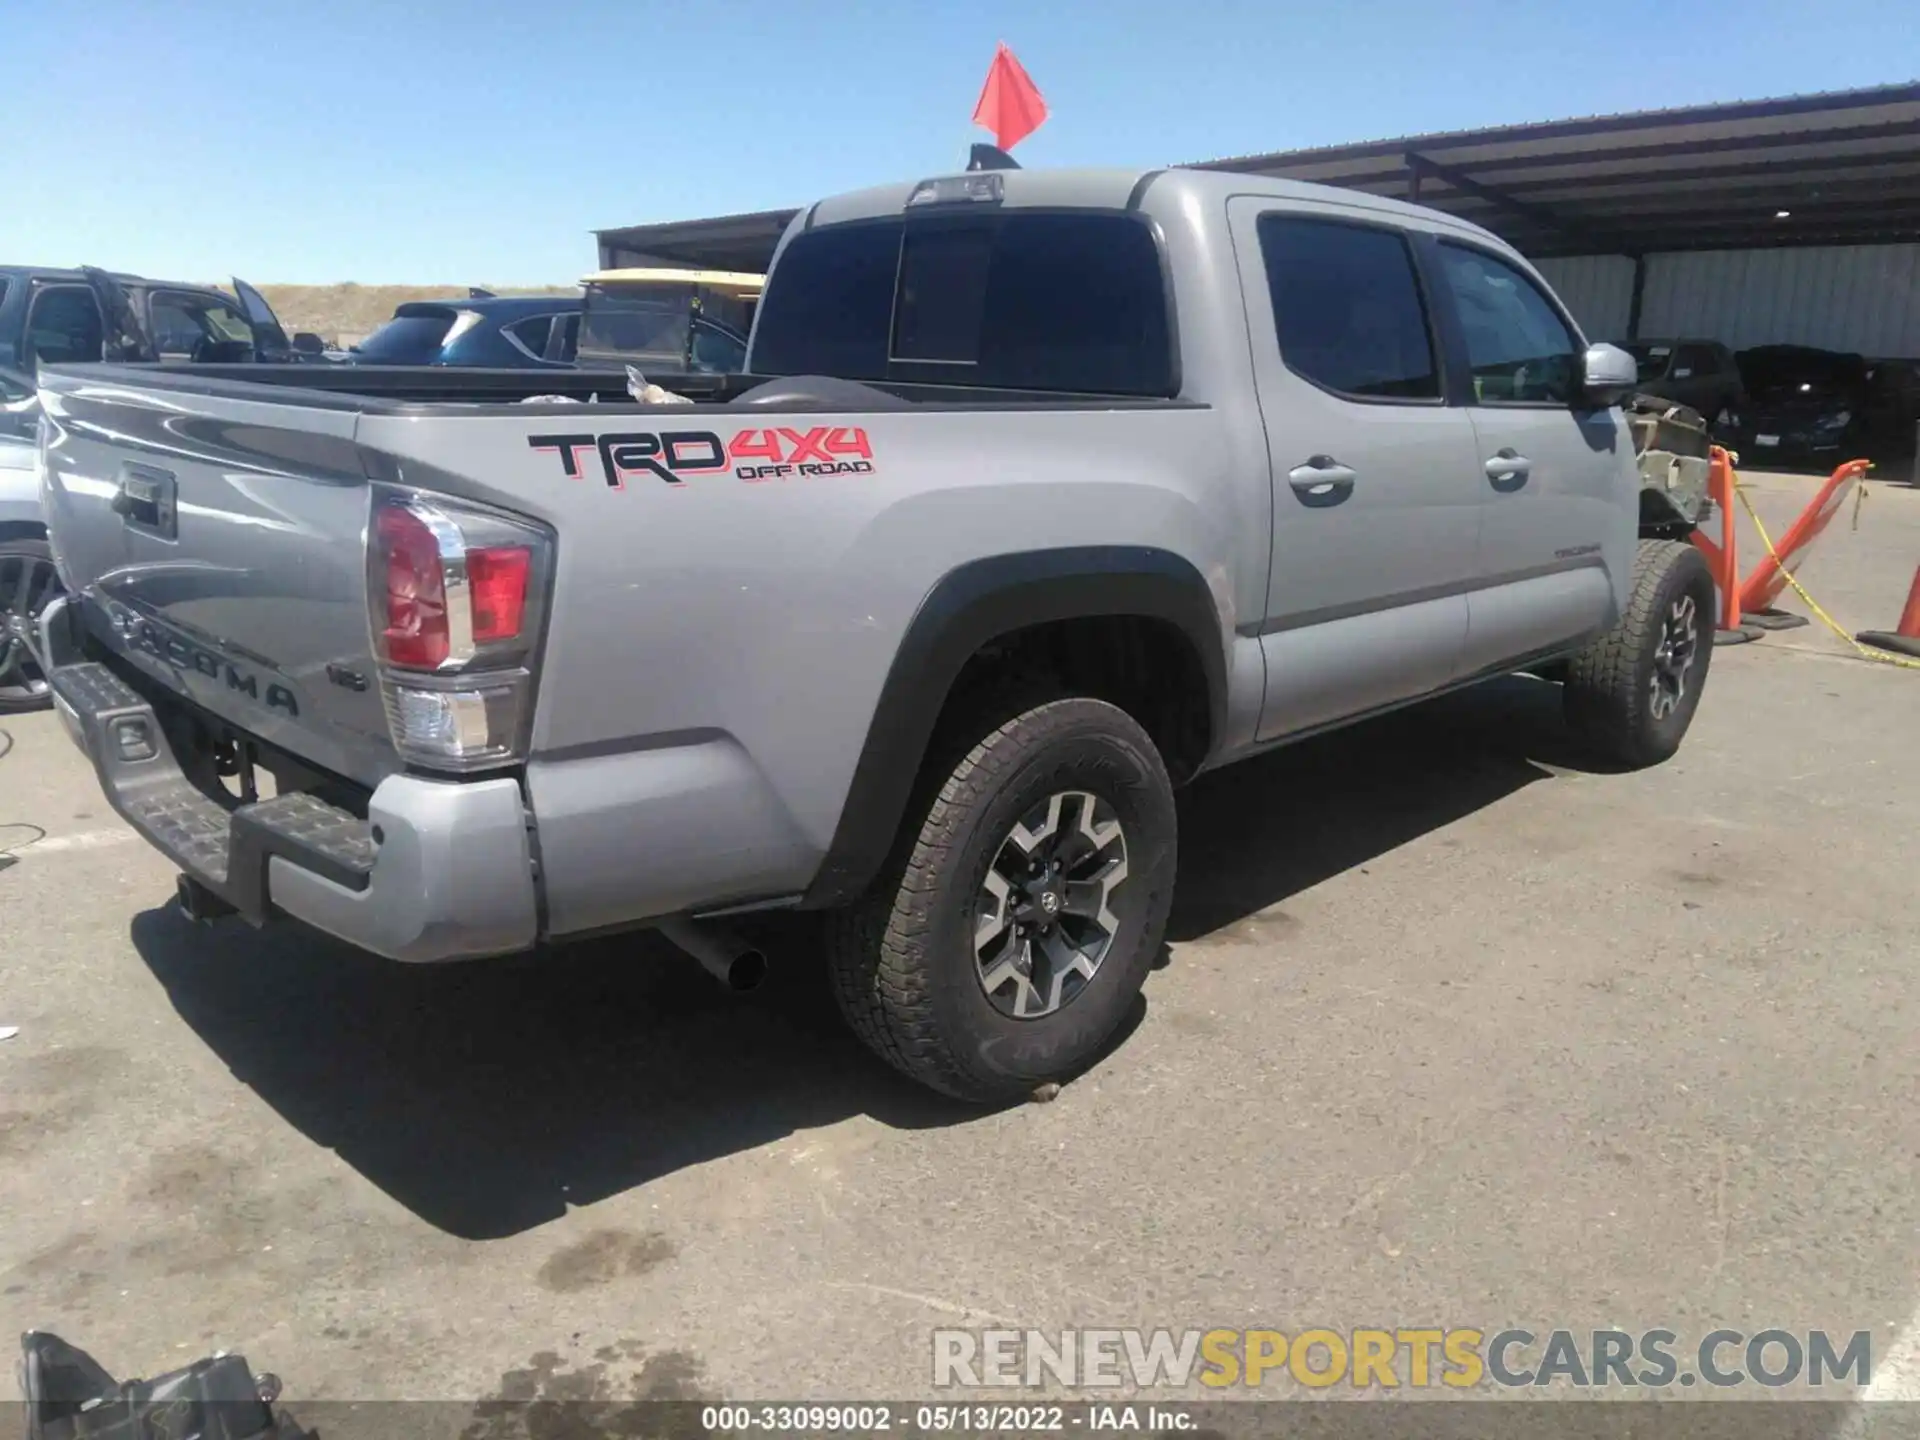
column 1003, row 947
column 1632, row 692
column 27, row 582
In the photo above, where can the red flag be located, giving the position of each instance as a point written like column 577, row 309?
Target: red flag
column 1010, row 104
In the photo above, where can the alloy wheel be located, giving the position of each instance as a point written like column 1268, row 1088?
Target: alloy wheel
column 1673, row 660
column 1045, row 918
column 27, row 583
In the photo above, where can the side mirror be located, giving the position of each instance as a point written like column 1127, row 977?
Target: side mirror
column 1608, row 374
column 308, row 343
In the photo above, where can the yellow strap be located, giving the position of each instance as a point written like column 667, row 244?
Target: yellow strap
column 1866, row 652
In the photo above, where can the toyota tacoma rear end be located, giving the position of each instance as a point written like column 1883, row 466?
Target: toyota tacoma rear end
column 1042, row 494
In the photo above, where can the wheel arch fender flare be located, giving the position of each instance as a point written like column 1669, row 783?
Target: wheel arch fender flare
column 970, row 606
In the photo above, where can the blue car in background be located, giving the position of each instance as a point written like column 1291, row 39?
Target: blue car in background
column 502, row 332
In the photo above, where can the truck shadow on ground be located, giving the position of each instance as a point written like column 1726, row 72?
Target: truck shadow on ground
column 490, row 1097
column 1253, row 834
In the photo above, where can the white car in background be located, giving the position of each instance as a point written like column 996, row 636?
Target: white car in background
column 27, row 577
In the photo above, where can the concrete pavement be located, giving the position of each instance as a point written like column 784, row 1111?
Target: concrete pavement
column 1452, row 1032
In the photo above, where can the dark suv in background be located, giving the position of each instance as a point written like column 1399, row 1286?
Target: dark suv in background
column 1703, row 375
column 504, row 332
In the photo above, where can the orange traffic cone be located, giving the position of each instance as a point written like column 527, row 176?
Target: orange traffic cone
column 1905, row 638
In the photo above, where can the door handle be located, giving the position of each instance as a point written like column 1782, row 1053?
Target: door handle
column 1508, row 470
column 1321, row 482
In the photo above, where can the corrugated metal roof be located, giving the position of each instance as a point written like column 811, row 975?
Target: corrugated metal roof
column 1844, row 166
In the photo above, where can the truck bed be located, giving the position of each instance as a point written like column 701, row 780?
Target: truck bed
column 416, row 388
column 215, row 528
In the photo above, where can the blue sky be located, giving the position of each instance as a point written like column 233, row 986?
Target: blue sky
column 432, row 142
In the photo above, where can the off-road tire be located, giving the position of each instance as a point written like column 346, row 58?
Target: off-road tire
column 1608, row 693
column 18, row 552
column 902, row 958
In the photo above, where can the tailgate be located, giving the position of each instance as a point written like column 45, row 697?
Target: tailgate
column 215, row 532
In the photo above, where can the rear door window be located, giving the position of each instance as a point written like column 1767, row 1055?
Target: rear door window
column 1347, row 308
column 63, row 326
column 1020, row 300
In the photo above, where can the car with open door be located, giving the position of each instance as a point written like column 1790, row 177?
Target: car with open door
column 86, row 314
column 54, row 316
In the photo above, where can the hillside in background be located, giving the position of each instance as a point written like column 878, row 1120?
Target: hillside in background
column 345, row 313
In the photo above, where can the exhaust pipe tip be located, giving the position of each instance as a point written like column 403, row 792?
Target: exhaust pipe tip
column 746, row 972
column 730, row 960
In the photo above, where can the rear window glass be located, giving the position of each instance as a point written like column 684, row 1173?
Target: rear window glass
column 1071, row 301
column 829, row 304
column 612, row 325
column 1347, row 308
column 408, row 339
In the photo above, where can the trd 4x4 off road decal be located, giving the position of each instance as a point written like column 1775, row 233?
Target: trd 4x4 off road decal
column 774, row 453
column 822, row 450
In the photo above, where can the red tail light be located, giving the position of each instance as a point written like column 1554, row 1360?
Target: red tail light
column 415, row 633
column 458, row 595
column 498, row 577
column 446, row 591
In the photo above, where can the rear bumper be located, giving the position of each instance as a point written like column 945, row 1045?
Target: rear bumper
column 438, row 870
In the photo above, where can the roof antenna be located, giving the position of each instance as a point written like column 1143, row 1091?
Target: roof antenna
column 991, row 157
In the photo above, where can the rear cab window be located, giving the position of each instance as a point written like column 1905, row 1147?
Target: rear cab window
column 1064, row 301
column 1347, row 308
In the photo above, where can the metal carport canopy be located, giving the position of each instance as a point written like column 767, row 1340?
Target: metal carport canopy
column 1844, row 165
column 728, row 242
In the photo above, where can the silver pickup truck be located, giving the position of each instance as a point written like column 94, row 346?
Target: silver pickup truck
column 1045, row 492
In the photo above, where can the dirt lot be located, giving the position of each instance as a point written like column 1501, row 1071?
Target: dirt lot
column 346, row 313
column 1453, row 1031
